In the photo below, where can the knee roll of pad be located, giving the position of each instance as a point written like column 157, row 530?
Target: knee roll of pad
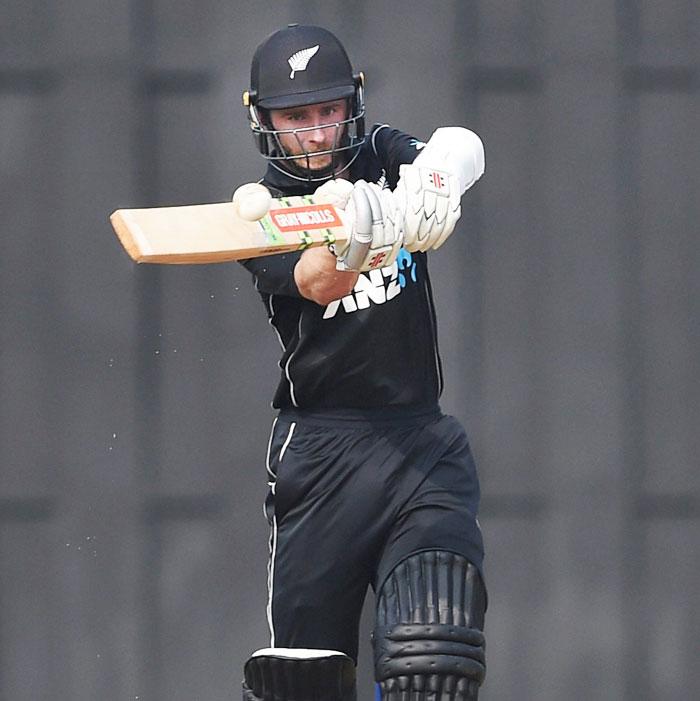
column 429, row 658
column 428, row 642
column 295, row 674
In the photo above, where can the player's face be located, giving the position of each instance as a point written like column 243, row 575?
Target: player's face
column 320, row 131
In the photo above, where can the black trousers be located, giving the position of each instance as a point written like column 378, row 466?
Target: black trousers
column 351, row 495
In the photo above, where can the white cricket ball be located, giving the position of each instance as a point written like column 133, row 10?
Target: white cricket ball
column 252, row 201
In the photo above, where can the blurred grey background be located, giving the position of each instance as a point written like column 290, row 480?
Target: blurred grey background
column 134, row 400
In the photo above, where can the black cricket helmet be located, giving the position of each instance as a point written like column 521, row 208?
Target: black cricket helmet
column 297, row 66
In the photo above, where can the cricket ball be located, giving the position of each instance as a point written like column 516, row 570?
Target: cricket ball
column 252, row 201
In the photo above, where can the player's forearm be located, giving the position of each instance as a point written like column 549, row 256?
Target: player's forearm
column 317, row 278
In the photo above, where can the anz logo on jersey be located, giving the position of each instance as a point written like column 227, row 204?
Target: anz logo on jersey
column 377, row 286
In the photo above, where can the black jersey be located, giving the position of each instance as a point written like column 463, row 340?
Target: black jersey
column 376, row 347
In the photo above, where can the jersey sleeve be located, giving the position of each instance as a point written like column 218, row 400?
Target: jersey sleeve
column 393, row 148
column 274, row 275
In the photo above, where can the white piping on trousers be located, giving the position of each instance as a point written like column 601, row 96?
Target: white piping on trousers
column 270, row 580
column 273, row 535
column 269, row 447
column 288, row 439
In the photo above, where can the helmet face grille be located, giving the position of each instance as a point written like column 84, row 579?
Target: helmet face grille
column 348, row 137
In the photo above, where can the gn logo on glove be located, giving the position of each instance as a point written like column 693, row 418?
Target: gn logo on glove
column 377, row 261
column 435, row 182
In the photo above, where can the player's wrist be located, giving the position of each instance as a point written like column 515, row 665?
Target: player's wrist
column 317, row 278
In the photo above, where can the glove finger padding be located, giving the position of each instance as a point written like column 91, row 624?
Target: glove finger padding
column 430, row 200
column 429, row 189
column 376, row 234
column 361, row 236
column 336, row 192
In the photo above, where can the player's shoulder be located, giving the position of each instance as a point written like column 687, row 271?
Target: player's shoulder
column 383, row 137
column 390, row 147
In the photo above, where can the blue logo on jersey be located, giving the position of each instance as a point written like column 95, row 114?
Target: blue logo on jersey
column 418, row 145
column 405, row 262
column 377, row 286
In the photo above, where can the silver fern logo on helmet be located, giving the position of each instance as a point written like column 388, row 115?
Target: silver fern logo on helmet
column 300, row 60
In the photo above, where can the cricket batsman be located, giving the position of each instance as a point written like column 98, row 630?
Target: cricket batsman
column 370, row 484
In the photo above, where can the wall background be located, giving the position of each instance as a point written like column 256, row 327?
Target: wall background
column 134, row 400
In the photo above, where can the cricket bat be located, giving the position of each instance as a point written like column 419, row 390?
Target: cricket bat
column 215, row 233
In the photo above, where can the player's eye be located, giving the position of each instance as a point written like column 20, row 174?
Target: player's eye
column 330, row 110
column 296, row 116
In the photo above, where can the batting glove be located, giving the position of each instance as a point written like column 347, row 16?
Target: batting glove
column 374, row 221
column 430, row 188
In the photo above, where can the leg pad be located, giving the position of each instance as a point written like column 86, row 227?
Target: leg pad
column 428, row 643
column 430, row 649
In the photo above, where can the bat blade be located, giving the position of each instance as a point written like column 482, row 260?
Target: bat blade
column 216, row 233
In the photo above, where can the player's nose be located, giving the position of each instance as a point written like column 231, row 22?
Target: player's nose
column 321, row 131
